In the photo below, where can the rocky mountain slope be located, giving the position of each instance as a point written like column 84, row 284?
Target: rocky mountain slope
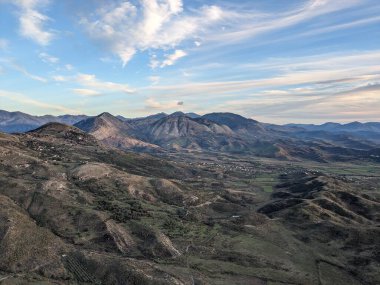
column 114, row 132
column 74, row 211
column 327, row 213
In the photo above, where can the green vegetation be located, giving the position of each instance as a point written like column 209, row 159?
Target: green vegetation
column 122, row 211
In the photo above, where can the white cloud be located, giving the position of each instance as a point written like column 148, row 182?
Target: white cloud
column 172, row 58
column 32, row 21
column 91, row 82
column 152, row 24
column 127, row 28
column 86, row 92
column 47, row 58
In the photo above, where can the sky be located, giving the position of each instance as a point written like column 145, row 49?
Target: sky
column 276, row 61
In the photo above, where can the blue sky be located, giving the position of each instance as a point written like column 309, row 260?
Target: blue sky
column 275, row 61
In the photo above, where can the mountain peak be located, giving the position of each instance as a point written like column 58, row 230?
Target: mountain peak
column 106, row 115
column 355, row 123
column 231, row 120
column 193, row 115
column 177, row 114
column 103, row 120
column 109, row 118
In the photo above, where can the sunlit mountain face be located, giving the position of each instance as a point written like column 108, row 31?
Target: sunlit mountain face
column 307, row 61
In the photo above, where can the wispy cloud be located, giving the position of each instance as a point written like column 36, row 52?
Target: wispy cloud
column 86, row 92
column 91, row 82
column 59, row 78
column 24, row 101
column 47, row 58
column 334, row 85
column 287, row 72
column 15, row 66
column 344, row 106
column 337, row 27
column 317, row 62
column 32, row 21
column 89, row 85
column 219, row 88
column 251, row 23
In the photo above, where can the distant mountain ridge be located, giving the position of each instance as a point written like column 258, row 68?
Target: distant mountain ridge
column 336, row 127
column 370, row 130
column 10, row 121
column 18, row 122
column 226, row 132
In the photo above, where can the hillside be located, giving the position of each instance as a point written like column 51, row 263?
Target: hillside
column 76, row 211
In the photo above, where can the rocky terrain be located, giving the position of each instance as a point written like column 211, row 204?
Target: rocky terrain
column 115, row 132
column 78, row 210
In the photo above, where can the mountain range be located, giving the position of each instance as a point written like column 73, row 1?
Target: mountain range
column 18, row 122
column 215, row 132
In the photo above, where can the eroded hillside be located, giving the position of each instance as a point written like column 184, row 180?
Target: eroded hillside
column 76, row 212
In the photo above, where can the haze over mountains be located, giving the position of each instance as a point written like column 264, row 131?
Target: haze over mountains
column 225, row 132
